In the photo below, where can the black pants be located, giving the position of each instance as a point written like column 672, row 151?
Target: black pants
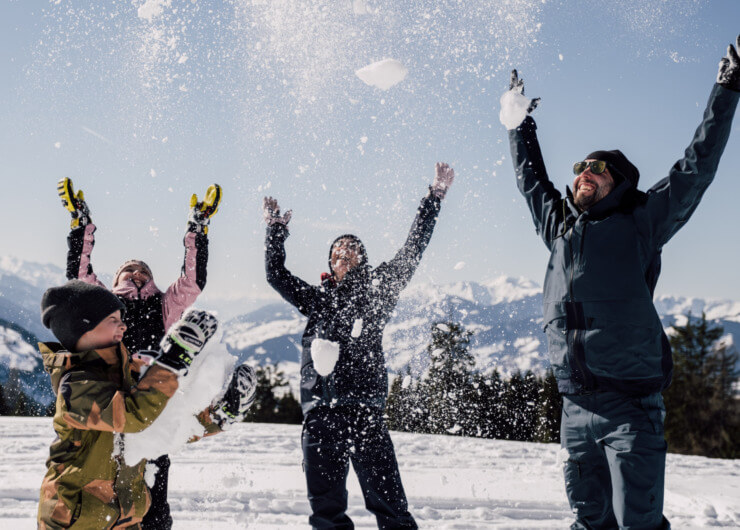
column 332, row 437
column 158, row 517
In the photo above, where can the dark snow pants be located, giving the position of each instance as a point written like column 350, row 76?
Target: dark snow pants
column 158, row 517
column 332, row 437
column 616, row 460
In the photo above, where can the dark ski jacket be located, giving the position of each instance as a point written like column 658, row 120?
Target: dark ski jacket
column 149, row 311
column 603, row 331
column 333, row 310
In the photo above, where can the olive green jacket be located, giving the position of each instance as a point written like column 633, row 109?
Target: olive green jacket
column 88, row 484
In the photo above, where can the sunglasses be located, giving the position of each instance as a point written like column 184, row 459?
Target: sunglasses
column 597, row 167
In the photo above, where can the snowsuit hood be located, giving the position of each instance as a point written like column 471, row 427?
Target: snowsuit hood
column 129, row 263
column 363, row 251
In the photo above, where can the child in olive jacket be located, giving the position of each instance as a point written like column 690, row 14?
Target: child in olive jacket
column 102, row 394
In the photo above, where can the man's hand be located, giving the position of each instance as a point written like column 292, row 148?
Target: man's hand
column 185, row 340
column 202, row 211
column 442, row 179
column 75, row 204
column 517, row 85
column 239, row 396
column 271, row 212
column 729, row 68
column 514, row 105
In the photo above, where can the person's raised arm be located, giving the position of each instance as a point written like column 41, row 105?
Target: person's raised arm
column 81, row 239
column 399, row 270
column 542, row 198
column 672, row 201
column 294, row 290
column 184, row 291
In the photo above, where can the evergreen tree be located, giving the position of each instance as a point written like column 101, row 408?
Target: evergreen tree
column 272, row 403
column 703, row 412
column 448, row 386
column 492, row 418
column 550, row 410
column 520, row 401
column 23, row 406
column 393, row 406
column 406, row 406
column 4, row 409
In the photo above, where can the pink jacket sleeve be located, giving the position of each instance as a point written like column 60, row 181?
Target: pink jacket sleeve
column 182, row 294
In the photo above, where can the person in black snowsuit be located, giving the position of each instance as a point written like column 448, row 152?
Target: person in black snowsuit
column 343, row 409
column 606, row 343
column 149, row 312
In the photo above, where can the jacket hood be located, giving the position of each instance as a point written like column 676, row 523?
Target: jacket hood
column 363, row 252
column 128, row 263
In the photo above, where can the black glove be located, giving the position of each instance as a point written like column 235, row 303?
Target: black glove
column 185, row 340
column 202, row 211
column 518, row 84
column 729, row 68
column 239, row 396
column 74, row 203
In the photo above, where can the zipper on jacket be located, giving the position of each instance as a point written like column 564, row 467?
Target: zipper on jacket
column 577, row 351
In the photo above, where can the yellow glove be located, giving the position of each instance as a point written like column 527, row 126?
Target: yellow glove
column 74, row 203
column 201, row 212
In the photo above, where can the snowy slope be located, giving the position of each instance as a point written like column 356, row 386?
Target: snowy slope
column 250, row 477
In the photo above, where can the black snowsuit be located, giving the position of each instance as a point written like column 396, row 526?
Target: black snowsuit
column 343, row 412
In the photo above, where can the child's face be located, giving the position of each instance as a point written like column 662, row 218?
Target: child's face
column 136, row 274
column 108, row 332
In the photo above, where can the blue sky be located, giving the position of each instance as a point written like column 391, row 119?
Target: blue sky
column 261, row 97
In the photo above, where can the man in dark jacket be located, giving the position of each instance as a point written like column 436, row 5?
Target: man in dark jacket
column 344, row 382
column 606, row 343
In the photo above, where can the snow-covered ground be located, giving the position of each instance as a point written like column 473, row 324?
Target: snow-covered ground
column 250, row 477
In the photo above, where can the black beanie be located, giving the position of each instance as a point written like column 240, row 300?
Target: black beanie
column 618, row 161
column 75, row 308
column 363, row 252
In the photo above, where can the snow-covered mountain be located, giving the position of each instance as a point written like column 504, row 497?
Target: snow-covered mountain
column 21, row 285
column 505, row 315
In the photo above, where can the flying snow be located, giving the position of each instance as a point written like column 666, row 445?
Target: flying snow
column 383, row 74
column 356, row 328
column 324, row 354
column 151, row 9
column 177, row 424
column 513, row 109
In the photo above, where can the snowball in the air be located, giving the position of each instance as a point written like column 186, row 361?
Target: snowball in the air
column 383, row 74
column 514, row 107
column 459, row 265
column 356, row 328
column 324, row 354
